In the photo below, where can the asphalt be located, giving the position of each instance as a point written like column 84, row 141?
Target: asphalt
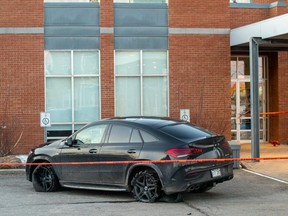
column 271, row 165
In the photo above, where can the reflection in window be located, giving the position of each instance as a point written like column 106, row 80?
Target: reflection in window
column 91, row 135
column 148, row 137
column 120, row 134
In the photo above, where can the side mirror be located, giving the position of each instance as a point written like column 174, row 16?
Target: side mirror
column 69, row 142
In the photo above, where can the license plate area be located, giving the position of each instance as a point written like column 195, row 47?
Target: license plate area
column 216, row 173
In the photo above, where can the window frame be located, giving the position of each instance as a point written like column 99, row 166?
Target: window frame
column 74, row 125
column 142, row 75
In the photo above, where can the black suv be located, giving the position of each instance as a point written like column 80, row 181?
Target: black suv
column 133, row 154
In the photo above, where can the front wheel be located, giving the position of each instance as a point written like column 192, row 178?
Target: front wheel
column 146, row 186
column 44, row 179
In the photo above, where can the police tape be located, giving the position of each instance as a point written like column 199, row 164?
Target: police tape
column 142, row 161
column 274, row 113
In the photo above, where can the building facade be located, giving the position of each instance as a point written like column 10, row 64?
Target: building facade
column 83, row 61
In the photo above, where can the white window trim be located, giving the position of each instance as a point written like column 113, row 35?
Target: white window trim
column 141, row 76
column 72, row 76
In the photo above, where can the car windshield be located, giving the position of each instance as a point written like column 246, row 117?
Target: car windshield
column 186, row 132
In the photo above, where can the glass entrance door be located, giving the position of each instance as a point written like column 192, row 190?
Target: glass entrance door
column 240, row 98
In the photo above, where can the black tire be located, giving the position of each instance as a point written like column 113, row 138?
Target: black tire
column 172, row 198
column 44, row 179
column 146, row 186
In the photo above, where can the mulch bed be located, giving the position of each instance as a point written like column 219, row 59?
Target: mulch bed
column 10, row 162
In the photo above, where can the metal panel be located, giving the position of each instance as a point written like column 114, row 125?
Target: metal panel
column 141, row 43
column 141, row 32
column 72, row 25
column 71, row 43
column 71, row 31
column 141, row 26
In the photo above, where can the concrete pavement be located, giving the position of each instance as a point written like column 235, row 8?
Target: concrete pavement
column 273, row 168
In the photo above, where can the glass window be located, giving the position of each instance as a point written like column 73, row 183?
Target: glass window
column 120, row 134
column 72, row 87
column 86, row 63
column 127, row 63
column 186, row 132
column 154, row 62
column 148, row 137
column 128, row 96
column 141, row 83
column 135, row 137
column 58, row 99
column 86, row 99
column 58, row 63
column 91, row 135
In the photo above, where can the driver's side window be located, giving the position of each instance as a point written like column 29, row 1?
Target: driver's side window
column 91, row 135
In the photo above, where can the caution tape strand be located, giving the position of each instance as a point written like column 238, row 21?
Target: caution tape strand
column 143, row 161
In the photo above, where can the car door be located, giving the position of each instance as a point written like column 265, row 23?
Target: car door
column 83, row 147
column 124, row 143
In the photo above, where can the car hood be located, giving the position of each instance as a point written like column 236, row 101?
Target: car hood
column 50, row 144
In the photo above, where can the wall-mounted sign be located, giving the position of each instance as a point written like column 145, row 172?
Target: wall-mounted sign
column 185, row 114
column 45, row 119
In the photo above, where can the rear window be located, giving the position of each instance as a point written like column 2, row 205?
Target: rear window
column 185, row 132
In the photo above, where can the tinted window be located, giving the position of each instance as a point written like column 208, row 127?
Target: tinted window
column 93, row 134
column 148, row 137
column 120, row 134
column 135, row 137
column 185, row 132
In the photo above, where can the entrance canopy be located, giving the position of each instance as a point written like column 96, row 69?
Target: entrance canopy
column 265, row 36
column 273, row 31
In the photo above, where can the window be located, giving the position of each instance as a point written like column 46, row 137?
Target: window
column 140, row 1
column 240, row 1
column 72, row 90
column 148, row 137
column 185, row 132
column 141, row 79
column 71, row 1
column 91, row 135
column 120, row 134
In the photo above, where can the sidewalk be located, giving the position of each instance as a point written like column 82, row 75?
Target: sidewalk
column 273, row 168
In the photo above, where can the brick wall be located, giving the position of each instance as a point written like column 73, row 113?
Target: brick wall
column 22, row 88
column 19, row 13
column 199, row 67
column 278, row 79
column 191, row 14
column 107, row 75
column 283, row 99
column 245, row 16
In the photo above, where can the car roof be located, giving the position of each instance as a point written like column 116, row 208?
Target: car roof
column 154, row 122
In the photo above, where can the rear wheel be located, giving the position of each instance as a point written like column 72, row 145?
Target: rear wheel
column 44, row 179
column 146, row 186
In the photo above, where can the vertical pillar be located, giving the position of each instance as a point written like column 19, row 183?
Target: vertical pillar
column 255, row 129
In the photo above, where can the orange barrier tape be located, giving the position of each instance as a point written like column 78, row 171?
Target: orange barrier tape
column 274, row 113
column 144, row 161
column 266, row 113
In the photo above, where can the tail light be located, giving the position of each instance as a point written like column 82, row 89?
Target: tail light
column 184, row 152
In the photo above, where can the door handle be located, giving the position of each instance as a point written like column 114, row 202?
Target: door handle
column 93, row 151
column 131, row 151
